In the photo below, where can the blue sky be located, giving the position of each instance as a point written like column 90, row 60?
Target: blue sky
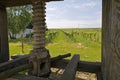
column 74, row 14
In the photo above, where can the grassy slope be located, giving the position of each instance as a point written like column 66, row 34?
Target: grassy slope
column 62, row 44
column 89, row 51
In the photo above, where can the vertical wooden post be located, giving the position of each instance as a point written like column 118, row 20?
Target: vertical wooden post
column 111, row 40
column 4, row 50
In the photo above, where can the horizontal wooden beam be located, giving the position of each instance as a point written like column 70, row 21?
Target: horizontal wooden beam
column 13, row 63
column 11, row 3
column 24, row 60
column 21, row 64
column 27, row 77
column 10, row 72
column 92, row 67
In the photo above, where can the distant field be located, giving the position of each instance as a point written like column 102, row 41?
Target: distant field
column 86, row 42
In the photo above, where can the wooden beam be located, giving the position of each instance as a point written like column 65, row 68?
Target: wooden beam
column 111, row 40
column 12, row 3
column 99, row 75
column 84, row 66
column 27, row 77
column 91, row 67
column 24, row 60
column 10, row 72
column 4, row 49
column 14, row 63
column 20, row 64
column 71, row 68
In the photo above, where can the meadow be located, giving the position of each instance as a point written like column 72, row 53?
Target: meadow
column 86, row 42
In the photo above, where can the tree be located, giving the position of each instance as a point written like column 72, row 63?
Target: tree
column 18, row 19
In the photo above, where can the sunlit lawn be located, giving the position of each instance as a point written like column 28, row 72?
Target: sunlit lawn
column 89, row 51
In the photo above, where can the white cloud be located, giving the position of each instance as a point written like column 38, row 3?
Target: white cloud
column 90, row 4
column 58, row 14
column 63, row 23
column 51, row 8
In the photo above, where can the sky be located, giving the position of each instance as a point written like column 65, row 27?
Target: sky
column 74, row 14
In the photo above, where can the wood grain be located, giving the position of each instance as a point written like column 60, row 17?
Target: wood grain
column 11, row 3
column 71, row 68
column 111, row 40
column 83, row 66
column 4, row 50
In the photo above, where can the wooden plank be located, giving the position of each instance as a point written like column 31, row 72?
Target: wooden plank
column 13, row 63
column 4, row 49
column 24, row 60
column 11, row 3
column 27, row 77
column 70, row 70
column 111, row 40
column 92, row 67
column 20, row 64
column 99, row 76
column 8, row 73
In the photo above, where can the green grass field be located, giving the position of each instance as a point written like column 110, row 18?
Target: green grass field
column 86, row 42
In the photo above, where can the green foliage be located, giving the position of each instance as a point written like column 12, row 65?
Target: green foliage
column 18, row 19
column 50, row 35
column 66, row 41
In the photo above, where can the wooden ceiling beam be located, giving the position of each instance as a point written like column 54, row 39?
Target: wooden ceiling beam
column 12, row 3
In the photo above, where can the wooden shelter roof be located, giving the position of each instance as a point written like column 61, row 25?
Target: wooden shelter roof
column 11, row 3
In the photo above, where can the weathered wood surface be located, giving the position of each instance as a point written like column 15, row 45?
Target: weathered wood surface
column 70, row 70
column 20, row 65
column 56, row 62
column 4, row 50
column 13, row 71
column 92, row 67
column 39, row 24
column 14, row 63
column 111, row 40
column 26, row 77
column 24, row 60
column 11, row 3
column 53, row 59
column 99, row 75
